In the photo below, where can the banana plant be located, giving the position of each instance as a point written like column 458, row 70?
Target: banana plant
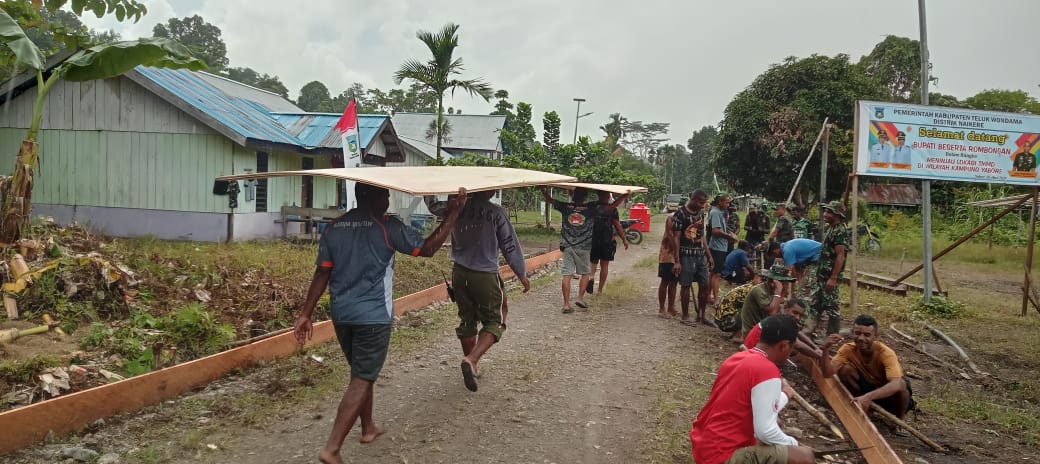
column 98, row 62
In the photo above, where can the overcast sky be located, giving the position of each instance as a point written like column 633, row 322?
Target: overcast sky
column 653, row 60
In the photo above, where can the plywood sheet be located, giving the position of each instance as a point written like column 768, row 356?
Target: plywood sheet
column 427, row 180
column 616, row 189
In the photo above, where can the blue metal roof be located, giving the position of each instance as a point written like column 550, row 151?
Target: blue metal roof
column 244, row 117
column 318, row 129
column 249, row 122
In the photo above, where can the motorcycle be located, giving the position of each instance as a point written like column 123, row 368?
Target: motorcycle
column 632, row 234
column 868, row 238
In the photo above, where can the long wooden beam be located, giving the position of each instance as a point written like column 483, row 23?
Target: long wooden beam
column 69, row 413
column 856, row 422
column 967, row 236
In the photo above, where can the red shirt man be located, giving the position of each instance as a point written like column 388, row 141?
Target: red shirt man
column 739, row 422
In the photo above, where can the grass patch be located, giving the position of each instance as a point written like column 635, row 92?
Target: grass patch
column 618, row 291
column 681, row 388
column 959, row 405
column 648, row 262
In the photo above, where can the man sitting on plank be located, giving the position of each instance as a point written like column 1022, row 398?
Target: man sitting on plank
column 869, row 369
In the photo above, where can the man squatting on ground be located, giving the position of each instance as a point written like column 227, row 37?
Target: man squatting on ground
column 804, row 345
column 691, row 263
column 869, row 369
column 356, row 263
column 607, row 225
column 480, row 233
column 576, row 240
column 738, row 424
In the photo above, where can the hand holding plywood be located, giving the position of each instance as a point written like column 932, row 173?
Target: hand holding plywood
column 426, row 180
column 615, row 189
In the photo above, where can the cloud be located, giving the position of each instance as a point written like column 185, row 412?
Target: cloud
column 652, row 60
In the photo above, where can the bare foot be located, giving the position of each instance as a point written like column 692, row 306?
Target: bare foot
column 329, row 458
column 371, row 437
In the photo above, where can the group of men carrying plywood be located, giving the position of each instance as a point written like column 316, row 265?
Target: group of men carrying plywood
column 356, row 259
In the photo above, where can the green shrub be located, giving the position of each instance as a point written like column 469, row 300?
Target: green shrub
column 941, row 307
column 196, row 331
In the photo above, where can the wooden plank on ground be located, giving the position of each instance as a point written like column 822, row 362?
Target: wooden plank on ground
column 856, row 422
column 884, row 287
column 69, row 413
column 426, row 180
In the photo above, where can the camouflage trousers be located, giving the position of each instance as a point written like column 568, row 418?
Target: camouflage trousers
column 814, row 291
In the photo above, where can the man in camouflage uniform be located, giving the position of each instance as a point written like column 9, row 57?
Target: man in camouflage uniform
column 784, row 229
column 801, row 225
column 823, row 276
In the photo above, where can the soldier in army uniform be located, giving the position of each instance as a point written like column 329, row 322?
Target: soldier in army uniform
column 784, row 229
column 822, row 277
column 801, row 225
column 1024, row 160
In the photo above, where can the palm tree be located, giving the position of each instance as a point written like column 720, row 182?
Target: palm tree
column 438, row 74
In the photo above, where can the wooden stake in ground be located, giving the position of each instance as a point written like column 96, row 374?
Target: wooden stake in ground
column 897, row 421
column 817, row 414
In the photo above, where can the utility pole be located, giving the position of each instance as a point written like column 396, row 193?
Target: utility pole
column 926, row 185
column 577, row 112
column 823, row 164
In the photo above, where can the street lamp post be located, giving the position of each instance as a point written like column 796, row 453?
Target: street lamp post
column 577, row 116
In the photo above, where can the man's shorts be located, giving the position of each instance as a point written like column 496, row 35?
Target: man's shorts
column 664, row 271
column 759, row 454
column 603, row 251
column 575, row 262
column 888, row 404
column 694, row 269
column 481, row 298
column 365, row 347
column 719, row 261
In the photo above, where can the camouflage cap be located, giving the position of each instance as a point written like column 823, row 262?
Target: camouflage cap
column 835, row 207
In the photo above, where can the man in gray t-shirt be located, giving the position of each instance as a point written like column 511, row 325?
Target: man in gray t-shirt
column 356, row 263
column 482, row 232
column 719, row 242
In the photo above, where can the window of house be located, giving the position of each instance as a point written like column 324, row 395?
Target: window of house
column 261, row 184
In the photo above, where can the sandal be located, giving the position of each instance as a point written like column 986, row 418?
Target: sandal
column 688, row 322
column 568, row 310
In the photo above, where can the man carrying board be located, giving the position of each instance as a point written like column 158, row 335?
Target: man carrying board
column 356, row 263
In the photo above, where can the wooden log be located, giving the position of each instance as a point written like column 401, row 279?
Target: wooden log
column 11, row 305
column 960, row 351
column 817, row 414
column 901, row 333
column 897, row 421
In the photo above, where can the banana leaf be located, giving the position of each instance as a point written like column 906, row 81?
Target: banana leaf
column 109, row 60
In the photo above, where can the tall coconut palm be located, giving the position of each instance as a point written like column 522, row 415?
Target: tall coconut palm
column 439, row 73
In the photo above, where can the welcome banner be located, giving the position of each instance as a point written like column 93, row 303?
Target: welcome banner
column 934, row 142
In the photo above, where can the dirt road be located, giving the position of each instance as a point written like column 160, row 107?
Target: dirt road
column 558, row 388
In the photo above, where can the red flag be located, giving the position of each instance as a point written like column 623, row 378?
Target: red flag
column 348, row 129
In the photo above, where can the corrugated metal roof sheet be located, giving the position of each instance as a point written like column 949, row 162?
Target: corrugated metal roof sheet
column 318, row 129
column 468, row 131
column 892, row 194
column 244, row 117
column 270, row 100
column 251, row 114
